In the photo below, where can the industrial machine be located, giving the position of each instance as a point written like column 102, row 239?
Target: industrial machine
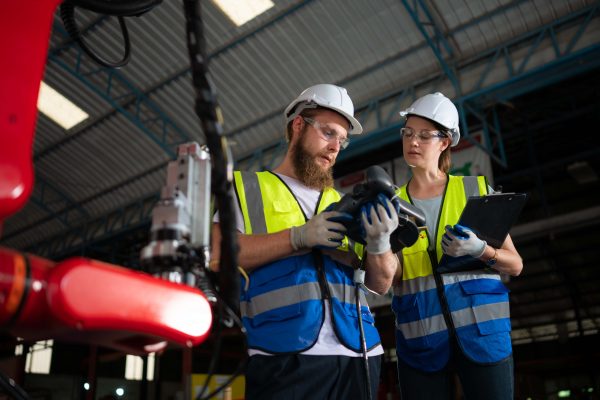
column 89, row 301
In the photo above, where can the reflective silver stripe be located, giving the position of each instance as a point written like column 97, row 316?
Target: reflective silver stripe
column 424, row 283
column 423, row 327
column 345, row 293
column 486, row 312
column 471, row 186
column 415, row 285
column 296, row 294
column 254, row 202
column 456, row 277
column 464, row 317
column 280, row 298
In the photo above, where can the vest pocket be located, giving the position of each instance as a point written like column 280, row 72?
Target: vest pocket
column 274, row 294
column 345, row 320
column 483, row 291
column 488, row 300
column 483, row 286
column 350, row 310
column 273, row 275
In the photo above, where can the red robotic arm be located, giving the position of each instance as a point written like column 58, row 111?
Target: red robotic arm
column 25, row 30
column 90, row 301
column 77, row 299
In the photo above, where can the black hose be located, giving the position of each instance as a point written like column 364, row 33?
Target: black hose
column 67, row 14
column 239, row 369
column 208, row 112
column 222, row 172
column 122, row 8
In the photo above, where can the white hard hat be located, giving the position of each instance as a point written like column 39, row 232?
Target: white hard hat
column 438, row 108
column 328, row 96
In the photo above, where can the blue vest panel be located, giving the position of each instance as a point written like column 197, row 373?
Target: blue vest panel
column 283, row 305
column 477, row 300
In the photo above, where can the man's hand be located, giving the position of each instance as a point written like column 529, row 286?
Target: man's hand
column 462, row 241
column 320, row 230
column 379, row 221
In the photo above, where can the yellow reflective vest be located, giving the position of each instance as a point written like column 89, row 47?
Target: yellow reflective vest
column 283, row 306
column 433, row 309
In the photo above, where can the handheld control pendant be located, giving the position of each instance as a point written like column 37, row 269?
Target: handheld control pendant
column 378, row 181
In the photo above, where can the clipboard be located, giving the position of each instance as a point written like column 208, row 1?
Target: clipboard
column 491, row 218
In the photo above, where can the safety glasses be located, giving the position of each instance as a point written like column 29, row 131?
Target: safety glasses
column 329, row 134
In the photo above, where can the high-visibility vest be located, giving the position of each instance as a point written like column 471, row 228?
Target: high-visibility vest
column 282, row 307
column 431, row 308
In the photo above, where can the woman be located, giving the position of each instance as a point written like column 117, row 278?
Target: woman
column 454, row 322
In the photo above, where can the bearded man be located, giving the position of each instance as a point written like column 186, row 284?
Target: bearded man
column 298, row 304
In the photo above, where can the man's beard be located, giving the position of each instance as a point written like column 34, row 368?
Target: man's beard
column 308, row 171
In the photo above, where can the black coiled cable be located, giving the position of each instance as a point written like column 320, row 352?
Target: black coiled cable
column 222, row 172
column 120, row 9
column 222, row 179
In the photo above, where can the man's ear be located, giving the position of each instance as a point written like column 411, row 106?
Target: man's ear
column 298, row 122
column 297, row 126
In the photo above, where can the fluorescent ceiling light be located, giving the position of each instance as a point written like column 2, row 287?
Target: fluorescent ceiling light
column 58, row 108
column 242, row 11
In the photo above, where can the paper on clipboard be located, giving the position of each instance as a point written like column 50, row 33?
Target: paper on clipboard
column 491, row 218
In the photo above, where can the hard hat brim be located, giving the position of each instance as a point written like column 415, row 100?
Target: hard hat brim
column 356, row 127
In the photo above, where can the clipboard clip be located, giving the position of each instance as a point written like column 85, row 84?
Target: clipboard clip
column 498, row 190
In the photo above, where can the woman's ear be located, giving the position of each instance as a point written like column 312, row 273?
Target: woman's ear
column 445, row 145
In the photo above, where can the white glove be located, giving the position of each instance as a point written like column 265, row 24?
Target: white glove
column 462, row 241
column 319, row 231
column 379, row 222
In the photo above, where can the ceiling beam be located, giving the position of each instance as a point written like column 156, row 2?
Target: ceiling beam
column 233, row 43
column 554, row 225
column 13, row 236
column 523, row 76
column 127, row 218
column 131, row 101
column 422, row 16
column 564, row 64
column 379, row 64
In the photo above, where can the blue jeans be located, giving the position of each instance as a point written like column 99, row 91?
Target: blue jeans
column 489, row 381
